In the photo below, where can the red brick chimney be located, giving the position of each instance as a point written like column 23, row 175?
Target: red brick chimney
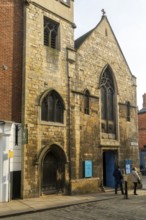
column 144, row 100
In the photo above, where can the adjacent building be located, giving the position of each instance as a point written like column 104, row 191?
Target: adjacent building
column 11, row 53
column 78, row 110
column 142, row 133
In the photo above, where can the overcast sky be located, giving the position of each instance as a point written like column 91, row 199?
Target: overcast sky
column 128, row 21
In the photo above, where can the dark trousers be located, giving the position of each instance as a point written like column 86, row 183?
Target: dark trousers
column 60, row 186
column 135, row 187
column 118, row 183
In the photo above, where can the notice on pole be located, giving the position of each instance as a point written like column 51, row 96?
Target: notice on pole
column 10, row 154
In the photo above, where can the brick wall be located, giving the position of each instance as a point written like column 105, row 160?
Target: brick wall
column 11, row 26
column 142, row 129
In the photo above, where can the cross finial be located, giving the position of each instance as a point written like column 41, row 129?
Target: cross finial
column 103, row 12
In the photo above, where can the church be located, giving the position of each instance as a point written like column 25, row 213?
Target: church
column 79, row 106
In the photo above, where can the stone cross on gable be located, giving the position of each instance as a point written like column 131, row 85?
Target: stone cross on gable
column 103, row 12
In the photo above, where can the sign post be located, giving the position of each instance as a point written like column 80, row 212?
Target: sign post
column 128, row 169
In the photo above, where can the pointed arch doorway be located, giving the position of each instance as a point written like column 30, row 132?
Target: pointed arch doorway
column 109, row 160
column 53, row 170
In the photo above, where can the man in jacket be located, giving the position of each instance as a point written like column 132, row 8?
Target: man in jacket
column 118, row 180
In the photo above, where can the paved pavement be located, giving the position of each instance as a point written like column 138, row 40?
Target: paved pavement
column 18, row 207
column 144, row 182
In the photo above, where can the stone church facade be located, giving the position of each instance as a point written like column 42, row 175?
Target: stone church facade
column 79, row 105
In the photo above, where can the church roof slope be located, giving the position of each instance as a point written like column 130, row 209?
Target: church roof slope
column 79, row 41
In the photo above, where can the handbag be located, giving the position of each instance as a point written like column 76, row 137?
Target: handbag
column 139, row 181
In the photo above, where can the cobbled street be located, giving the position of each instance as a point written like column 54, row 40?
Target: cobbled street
column 116, row 208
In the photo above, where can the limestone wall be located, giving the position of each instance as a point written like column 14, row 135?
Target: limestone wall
column 45, row 69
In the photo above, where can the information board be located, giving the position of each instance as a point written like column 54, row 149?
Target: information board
column 88, row 168
column 128, row 166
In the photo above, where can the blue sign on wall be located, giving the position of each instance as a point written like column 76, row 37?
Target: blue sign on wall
column 128, row 166
column 88, row 168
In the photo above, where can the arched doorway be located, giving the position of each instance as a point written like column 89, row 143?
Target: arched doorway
column 53, row 170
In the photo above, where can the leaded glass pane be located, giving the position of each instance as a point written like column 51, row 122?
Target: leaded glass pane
column 50, row 33
column 110, row 105
column 86, row 102
column 59, row 111
column 52, row 108
column 128, row 111
column 107, row 80
column 103, row 103
column 44, row 108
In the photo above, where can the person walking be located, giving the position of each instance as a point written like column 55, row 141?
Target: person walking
column 135, row 179
column 118, row 179
column 60, row 185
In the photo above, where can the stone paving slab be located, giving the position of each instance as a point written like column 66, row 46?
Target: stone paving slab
column 17, row 207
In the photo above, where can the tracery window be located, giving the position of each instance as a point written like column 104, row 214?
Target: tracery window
column 52, row 108
column 51, row 33
column 107, row 102
column 86, row 102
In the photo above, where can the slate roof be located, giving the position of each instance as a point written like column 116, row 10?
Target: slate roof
column 142, row 111
column 81, row 39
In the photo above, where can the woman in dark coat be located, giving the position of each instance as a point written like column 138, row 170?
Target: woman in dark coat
column 118, row 180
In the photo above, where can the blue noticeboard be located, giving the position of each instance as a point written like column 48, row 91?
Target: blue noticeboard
column 88, row 168
column 128, row 166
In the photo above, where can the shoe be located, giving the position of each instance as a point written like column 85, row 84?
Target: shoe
column 135, row 194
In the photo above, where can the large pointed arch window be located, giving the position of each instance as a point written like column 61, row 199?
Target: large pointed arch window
column 107, row 90
column 52, row 108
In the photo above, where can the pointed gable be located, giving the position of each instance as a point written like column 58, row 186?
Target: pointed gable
column 97, row 49
column 102, row 31
column 103, row 23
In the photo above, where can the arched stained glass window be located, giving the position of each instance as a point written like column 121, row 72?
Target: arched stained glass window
column 52, row 108
column 107, row 89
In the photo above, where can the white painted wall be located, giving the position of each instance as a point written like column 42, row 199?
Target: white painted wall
column 7, row 165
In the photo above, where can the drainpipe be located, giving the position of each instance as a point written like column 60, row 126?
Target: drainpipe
column 69, row 131
column 70, row 60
